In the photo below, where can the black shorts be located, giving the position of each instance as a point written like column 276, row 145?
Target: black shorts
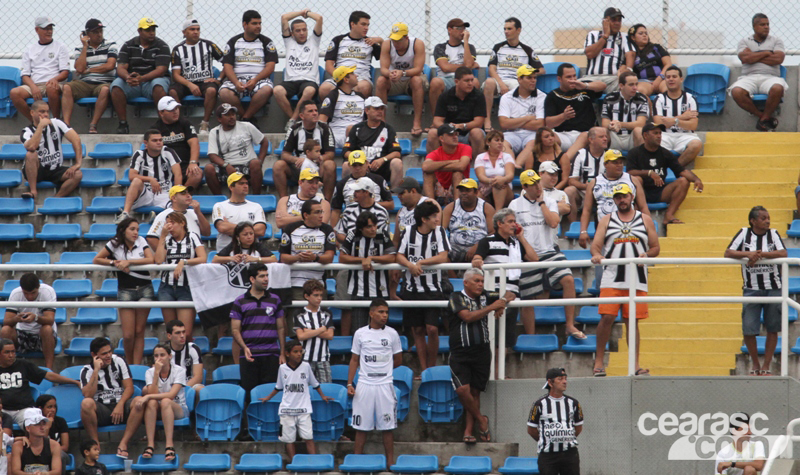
column 104, row 411
column 419, row 317
column 262, row 370
column 653, row 194
column 560, row 463
column 471, row 366
column 222, row 173
column 385, row 171
column 183, row 91
column 296, row 88
column 46, row 174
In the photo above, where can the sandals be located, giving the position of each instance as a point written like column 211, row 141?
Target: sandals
column 767, row 125
column 642, row 372
column 148, row 452
column 92, row 128
column 755, row 372
column 416, row 131
column 674, row 221
column 27, row 195
column 169, row 454
column 469, row 439
column 579, row 335
column 599, row 372
column 122, row 453
column 766, row 372
column 485, row 435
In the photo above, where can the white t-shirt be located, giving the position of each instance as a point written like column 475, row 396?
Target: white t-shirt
column 302, row 60
column 46, row 294
column 192, row 222
column 7, row 441
column 750, row 452
column 235, row 146
column 177, row 375
column 236, row 213
column 43, row 62
column 376, row 350
column 296, row 385
column 499, row 168
column 539, row 235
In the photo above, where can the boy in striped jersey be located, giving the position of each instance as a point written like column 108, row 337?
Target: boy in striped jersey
column 314, row 329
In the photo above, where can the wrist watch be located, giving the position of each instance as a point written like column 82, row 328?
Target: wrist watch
column 194, row 162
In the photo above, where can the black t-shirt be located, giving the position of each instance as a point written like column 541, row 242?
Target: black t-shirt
column 456, row 111
column 96, row 469
column 58, row 428
column 581, row 101
column 15, row 389
column 640, row 158
column 375, row 142
column 176, row 136
column 297, row 136
column 8, row 421
column 260, row 247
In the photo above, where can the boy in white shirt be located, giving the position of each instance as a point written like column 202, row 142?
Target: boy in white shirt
column 294, row 379
column 742, row 456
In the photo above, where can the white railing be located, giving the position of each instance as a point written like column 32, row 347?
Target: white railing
column 490, row 269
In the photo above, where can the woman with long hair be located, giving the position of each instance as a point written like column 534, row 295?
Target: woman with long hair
column 245, row 247
column 547, row 149
column 647, row 60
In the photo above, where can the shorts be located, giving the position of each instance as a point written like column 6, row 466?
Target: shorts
column 511, row 83
column 174, row 293
column 341, row 285
column 18, row 416
column 29, row 342
column 41, row 86
column 292, row 424
column 104, row 411
column 758, row 83
column 55, row 175
column 457, row 253
column 464, row 138
column 653, row 194
column 243, row 79
column 143, row 292
column 360, row 78
column 374, row 407
column 148, row 198
column 567, row 462
column 322, row 371
column 538, row 281
column 402, row 86
column 339, row 135
column 677, row 142
column 385, row 170
column 568, row 138
column 613, row 308
column 620, row 141
column 611, row 80
column 420, row 317
column 262, row 370
column 82, row 89
column 142, row 90
column 183, row 91
column 296, row 88
column 449, row 81
column 518, row 139
column 244, row 169
column 751, row 313
column 471, row 366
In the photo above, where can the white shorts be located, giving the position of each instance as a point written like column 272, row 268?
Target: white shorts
column 374, row 407
column 292, row 424
column 621, row 141
column 511, row 83
column 148, row 198
column 243, row 79
column 677, row 142
column 611, row 80
column 568, row 138
column 339, row 135
column 758, row 83
column 518, row 139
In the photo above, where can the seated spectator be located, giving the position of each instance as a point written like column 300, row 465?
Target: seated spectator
column 446, row 165
column 363, row 201
column 33, row 329
column 90, row 449
column 107, row 389
column 457, row 51
column 180, row 200
column 410, row 195
column 547, row 149
column 647, row 60
column 301, row 71
column 154, row 170
column 58, row 426
column 625, row 112
column 355, row 51
column 193, row 70
column 179, row 135
column 248, row 64
column 403, row 71
column 96, row 63
column 761, row 56
column 605, row 51
column 468, row 219
column 650, row 161
column 125, row 249
column 343, row 107
column 231, row 150
column 741, row 455
column 462, row 107
column 141, row 71
column 378, row 140
column 36, row 453
column 344, row 193
column 288, row 209
column 679, row 136
column 7, row 424
column 587, row 165
column 45, row 66
column 521, row 114
column 502, row 74
column 244, row 248
column 185, row 354
column 236, row 209
column 314, row 329
column 44, row 157
column 495, row 171
column 163, row 397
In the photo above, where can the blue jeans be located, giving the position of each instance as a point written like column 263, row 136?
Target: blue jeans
column 144, row 89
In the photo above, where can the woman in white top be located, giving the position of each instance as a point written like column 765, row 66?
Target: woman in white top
column 495, row 171
column 125, row 249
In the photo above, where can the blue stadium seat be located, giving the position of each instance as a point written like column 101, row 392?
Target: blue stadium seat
column 279, row 148
column 155, row 316
column 363, row 463
column 79, row 346
column 70, row 466
column 203, row 345
column 112, row 151
column 157, row 462
column 8, row 286
column 9, row 79
column 520, row 466
column 536, row 344
column 30, row 258
column 257, row 148
column 259, row 463
column 227, row 374
column 330, row 286
column 207, row 202
column 761, row 99
column 403, row 381
column 98, row 177
column 405, row 146
column 328, row 418
column 213, row 235
column 458, row 284
column 670, row 176
column 59, row 232
column 339, row 374
column 316, row 463
column 208, row 463
column 761, row 341
column 69, row 403
column 61, row 315
column 138, row 373
column 422, row 151
column 108, row 289
column 796, row 348
column 38, row 354
column 794, row 229
column 793, row 252
column 219, row 412
column 341, row 345
column 203, row 149
column 224, row 347
column 95, row 316
column 76, row 258
column 112, row 462
column 267, row 202
column 73, row 288
column 125, row 180
column 444, row 344
column 575, row 230
column 54, row 206
column 69, row 151
column 15, row 232
column 72, row 372
column 437, row 398
column 16, row 206
column 13, row 151
column 590, row 316
column 550, row 315
column 416, row 464
column 263, row 420
column 101, row 232
column 708, row 83
column 397, row 204
column 10, row 178
column 577, row 254
column 468, row 465
column 794, row 285
column 657, row 206
column 578, row 288
column 547, row 82
column 149, row 345
column 574, row 345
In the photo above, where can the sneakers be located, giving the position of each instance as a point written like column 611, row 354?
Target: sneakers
column 203, row 128
column 289, row 124
column 120, row 217
column 123, row 128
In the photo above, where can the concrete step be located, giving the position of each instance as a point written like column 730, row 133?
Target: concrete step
column 718, row 244
column 687, row 314
column 752, row 138
column 679, row 347
column 706, row 202
column 727, row 175
column 696, row 288
column 647, row 357
column 755, row 188
column 673, row 370
column 739, row 156
column 693, row 329
column 701, row 230
column 694, row 215
column 698, row 272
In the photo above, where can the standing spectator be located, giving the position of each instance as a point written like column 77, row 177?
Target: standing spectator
column 504, row 65
column 288, row 209
column 107, row 389
column 301, row 72
column 403, row 71
column 314, row 329
column 605, row 50
column 141, row 71
column 447, row 165
column 423, row 244
column 295, row 158
column 39, row 454
column 376, row 352
column 248, row 64
column 343, row 107
column 95, row 63
column 569, row 108
column 630, row 233
column 58, row 426
column 154, row 170
column 45, row 65
column 650, row 161
column 180, row 200
column 33, row 329
column 470, row 348
column 185, row 354
column 756, row 242
column 177, row 245
column 588, row 164
column 193, row 70
column 456, row 52
column 676, row 109
column 557, row 443
column 178, row 134
column 236, row 209
column 378, row 140
column 344, row 192
column 127, row 248
column 521, row 114
column 494, row 169
column 468, row 220
column 44, row 155
column 547, row 149
column 647, row 60
column 231, row 151
column 90, row 449
column 761, row 56
column 625, row 112
column 355, row 51
column 462, row 107
column 409, row 192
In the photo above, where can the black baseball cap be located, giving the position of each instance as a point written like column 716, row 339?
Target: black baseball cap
column 408, row 183
column 446, row 129
column 653, row 126
column 612, row 12
column 553, row 373
column 93, row 24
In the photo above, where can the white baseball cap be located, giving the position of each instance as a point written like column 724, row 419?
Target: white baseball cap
column 361, row 184
column 549, row 167
column 167, row 103
column 33, row 416
column 189, row 23
column 374, row 101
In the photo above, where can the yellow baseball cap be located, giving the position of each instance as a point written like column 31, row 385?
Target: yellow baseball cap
column 357, row 157
column 622, row 189
column 529, row 177
column 146, row 23
column 179, row 189
column 399, row 30
column 612, row 154
column 526, row 70
column 468, row 183
column 308, row 174
column 234, row 177
column 341, row 72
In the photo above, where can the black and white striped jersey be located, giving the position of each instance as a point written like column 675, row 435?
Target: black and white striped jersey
column 469, row 334
column 617, row 108
column 159, row 167
column 351, row 213
column 50, row 152
column 316, row 349
column 109, row 380
column 586, row 166
column 759, row 276
column 666, row 106
column 196, row 61
column 368, row 284
column 187, row 357
column 556, row 418
column 495, row 249
column 624, row 239
column 177, row 251
column 610, row 58
column 416, row 247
